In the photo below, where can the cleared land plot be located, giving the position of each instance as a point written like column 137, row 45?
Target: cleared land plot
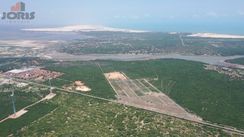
column 142, row 94
column 18, row 114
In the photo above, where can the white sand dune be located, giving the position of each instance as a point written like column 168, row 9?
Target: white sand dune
column 214, row 35
column 83, row 28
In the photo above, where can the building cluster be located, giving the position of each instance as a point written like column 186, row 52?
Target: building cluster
column 233, row 73
column 36, row 74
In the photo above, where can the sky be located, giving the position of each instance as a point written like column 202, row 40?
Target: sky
column 162, row 15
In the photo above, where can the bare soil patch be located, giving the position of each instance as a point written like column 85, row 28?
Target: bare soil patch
column 142, row 94
column 49, row 96
column 78, row 86
column 115, row 76
column 18, row 114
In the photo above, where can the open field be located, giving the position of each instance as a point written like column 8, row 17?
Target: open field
column 135, row 93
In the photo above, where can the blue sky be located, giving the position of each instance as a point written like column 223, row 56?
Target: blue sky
column 136, row 13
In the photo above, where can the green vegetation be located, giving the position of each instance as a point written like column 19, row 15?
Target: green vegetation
column 83, row 116
column 22, row 98
column 87, row 72
column 237, row 61
column 144, row 43
column 112, row 43
column 11, row 126
column 213, row 96
column 214, row 46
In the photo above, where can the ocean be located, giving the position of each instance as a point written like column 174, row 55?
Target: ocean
column 235, row 28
